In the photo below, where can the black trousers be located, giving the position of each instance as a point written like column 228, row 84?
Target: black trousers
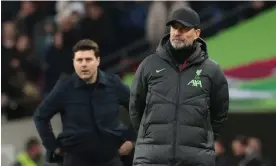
column 74, row 160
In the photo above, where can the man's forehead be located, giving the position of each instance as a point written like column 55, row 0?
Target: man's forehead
column 85, row 54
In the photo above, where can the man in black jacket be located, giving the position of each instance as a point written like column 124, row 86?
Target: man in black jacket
column 88, row 102
column 179, row 99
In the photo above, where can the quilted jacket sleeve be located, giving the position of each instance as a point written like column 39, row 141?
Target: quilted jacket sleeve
column 219, row 102
column 138, row 94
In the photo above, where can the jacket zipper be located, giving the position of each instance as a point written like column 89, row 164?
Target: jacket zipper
column 176, row 116
column 177, row 110
column 92, row 110
column 208, row 121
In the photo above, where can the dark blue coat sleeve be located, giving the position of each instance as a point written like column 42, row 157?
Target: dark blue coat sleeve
column 124, row 96
column 123, row 93
column 50, row 106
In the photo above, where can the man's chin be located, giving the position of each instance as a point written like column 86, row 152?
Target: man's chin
column 179, row 46
column 86, row 77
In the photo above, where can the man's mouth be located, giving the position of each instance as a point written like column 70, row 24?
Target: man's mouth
column 177, row 40
column 84, row 71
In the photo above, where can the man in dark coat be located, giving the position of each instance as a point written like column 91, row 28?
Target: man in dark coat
column 88, row 102
column 179, row 99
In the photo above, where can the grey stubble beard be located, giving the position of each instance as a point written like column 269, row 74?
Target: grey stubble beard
column 179, row 45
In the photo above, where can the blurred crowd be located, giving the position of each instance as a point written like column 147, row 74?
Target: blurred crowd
column 245, row 151
column 37, row 38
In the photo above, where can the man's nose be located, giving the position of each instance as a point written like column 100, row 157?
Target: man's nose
column 177, row 32
column 83, row 64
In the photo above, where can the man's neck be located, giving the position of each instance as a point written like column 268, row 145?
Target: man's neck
column 93, row 79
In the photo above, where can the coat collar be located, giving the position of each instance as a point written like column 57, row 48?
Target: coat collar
column 101, row 79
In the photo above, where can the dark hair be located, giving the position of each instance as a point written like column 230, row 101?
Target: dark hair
column 241, row 138
column 85, row 45
column 220, row 141
column 32, row 142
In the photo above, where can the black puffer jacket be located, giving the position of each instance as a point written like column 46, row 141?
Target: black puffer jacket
column 178, row 110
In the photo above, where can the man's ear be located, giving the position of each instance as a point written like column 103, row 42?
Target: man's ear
column 198, row 31
column 99, row 60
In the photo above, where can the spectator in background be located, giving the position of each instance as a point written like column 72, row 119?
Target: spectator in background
column 132, row 21
column 238, row 149
column 32, row 156
column 221, row 159
column 156, row 18
column 7, row 46
column 20, row 75
column 8, row 34
column 43, row 36
column 75, row 9
column 27, row 67
column 74, row 6
column 67, row 22
column 253, row 154
column 27, row 17
column 10, row 68
column 58, row 62
column 23, row 53
column 158, row 14
column 97, row 26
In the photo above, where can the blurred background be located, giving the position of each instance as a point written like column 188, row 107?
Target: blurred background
column 37, row 38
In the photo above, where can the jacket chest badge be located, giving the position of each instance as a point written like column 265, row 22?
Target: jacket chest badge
column 196, row 81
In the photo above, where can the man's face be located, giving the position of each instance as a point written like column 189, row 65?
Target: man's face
column 9, row 30
column 254, row 145
column 219, row 149
column 36, row 152
column 181, row 36
column 22, row 43
column 86, row 64
column 237, row 148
